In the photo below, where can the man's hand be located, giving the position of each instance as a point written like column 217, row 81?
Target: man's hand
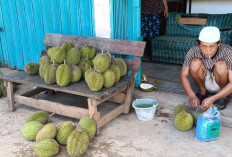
column 206, row 103
column 194, row 101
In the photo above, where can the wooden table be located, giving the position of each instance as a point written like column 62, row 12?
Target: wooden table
column 120, row 93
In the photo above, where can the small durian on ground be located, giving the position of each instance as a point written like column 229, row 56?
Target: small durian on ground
column 64, row 131
column 46, row 148
column 39, row 116
column 31, row 129
column 47, row 132
column 31, row 68
column 183, row 121
column 77, row 143
column 179, row 108
column 89, row 126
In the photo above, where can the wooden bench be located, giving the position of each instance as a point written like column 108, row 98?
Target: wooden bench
column 120, row 93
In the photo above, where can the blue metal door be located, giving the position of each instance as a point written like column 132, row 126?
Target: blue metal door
column 126, row 24
column 23, row 24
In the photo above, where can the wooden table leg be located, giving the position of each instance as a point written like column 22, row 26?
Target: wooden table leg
column 10, row 96
column 93, row 113
column 129, row 94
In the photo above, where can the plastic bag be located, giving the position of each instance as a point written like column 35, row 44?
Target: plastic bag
column 208, row 125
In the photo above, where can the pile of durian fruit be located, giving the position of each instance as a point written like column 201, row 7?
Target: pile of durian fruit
column 66, row 64
column 48, row 136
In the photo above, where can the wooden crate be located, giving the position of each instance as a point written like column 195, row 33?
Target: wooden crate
column 120, row 93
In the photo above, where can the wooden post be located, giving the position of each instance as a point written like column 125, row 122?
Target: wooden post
column 93, row 111
column 129, row 94
column 10, row 96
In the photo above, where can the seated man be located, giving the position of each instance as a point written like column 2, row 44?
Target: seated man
column 210, row 65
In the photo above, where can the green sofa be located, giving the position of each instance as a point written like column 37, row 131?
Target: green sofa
column 179, row 38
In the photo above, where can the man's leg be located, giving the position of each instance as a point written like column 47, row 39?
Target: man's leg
column 197, row 71
column 221, row 73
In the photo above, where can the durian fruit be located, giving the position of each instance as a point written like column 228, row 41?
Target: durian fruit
column 179, row 108
column 59, row 55
column 43, row 59
column 47, row 132
column 77, row 143
column 122, row 65
column 46, row 148
column 89, row 126
column 50, row 74
column 39, row 116
column 87, row 72
column 31, row 129
column 195, row 117
column 43, row 67
column 117, row 72
column 84, row 64
column 64, row 131
column 88, row 51
column 73, row 56
column 63, row 75
column 109, row 78
column 51, row 51
column 183, row 121
column 101, row 62
column 68, row 46
column 95, row 81
column 31, row 68
column 76, row 73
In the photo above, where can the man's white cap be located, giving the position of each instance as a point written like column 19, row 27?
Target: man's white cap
column 209, row 34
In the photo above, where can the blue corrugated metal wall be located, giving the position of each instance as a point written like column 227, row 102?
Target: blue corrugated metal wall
column 126, row 24
column 23, row 24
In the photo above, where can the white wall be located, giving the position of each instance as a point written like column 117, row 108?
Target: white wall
column 210, row 6
column 102, row 18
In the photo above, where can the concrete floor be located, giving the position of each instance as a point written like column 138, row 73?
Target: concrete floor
column 125, row 136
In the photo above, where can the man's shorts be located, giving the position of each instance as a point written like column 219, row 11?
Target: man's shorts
column 210, row 83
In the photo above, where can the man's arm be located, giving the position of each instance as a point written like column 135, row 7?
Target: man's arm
column 221, row 94
column 194, row 101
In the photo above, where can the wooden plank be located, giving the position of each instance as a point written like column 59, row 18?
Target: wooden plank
column 10, row 96
column 34, row 92
column 98, row 102
column 58, row 108
column 129, row 95
column 119, row 98
column 109, row 116
column 133, row 65
column 93, row 113
column 80, row 88
column 193, row 21
column 124, row 47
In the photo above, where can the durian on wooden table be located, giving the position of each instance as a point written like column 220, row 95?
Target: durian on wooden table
column 120, row 93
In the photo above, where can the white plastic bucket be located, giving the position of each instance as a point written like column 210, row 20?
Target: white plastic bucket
column 145, row 108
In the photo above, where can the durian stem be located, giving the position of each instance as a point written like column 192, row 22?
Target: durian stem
column 53, row 61
column 62, row 46
column 57, row 125
column 65, row 62
column 102, row 51
column 108, row 52
column 77, row 45
column 51, row 115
